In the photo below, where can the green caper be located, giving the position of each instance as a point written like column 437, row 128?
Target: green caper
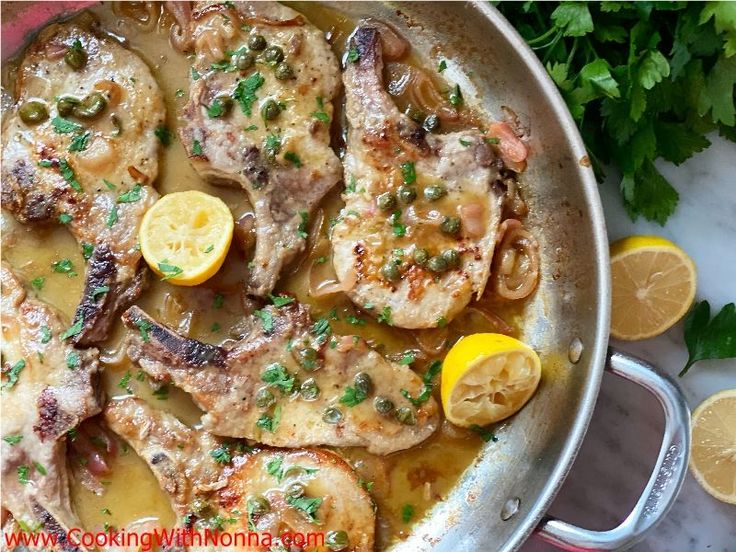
column 199, row 506
column 383, row 405
column 295, row 489
column 66, row 105
column 451, row 257
column 363, row 383
column 75, row 56
column 421, row 256
column 437, row 264
column 386, row 201
column 415, row 115
column 337, row 540
column 283, row 71
column 91, row 106
column 451, row 225
column 264, row 398
column 432, row 122
column 406, row 416
column 225, row 103
column 407, row 194
column 307, row 358
column 258, row 504
column 273, row 54
column 433, row 193
column 270, row 110
column 332, row 415
column 309, row 390
column 257, row 42
column 245, row 60
column 391, row 271
column 33, row 112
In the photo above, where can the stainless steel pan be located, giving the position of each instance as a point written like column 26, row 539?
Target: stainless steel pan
column 503, row 497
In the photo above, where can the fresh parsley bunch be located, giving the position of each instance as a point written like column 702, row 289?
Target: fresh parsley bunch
column 643, row 81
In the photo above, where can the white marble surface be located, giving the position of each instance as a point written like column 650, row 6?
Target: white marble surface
column 624, row 437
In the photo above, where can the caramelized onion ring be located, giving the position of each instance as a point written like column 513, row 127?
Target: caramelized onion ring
column 180, row 34
column 144, row 14
column 431, row 342
column 515, row 262
column 394, row 45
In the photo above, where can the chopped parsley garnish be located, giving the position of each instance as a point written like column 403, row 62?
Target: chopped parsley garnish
column 74, row 329
column 365, row 484
column 99, row 290
column 266, row 319
column 195, row 74
column 80, row 142
column 455, row 96
column 112, row 216
column 110, row 185
column 14, row 373
column 131, row 196
column 45, row 334
column 281, row 300
column 250, row 128
column 163, row 133
column 353, row 396
column 216, row 109
column 407, row 512
column 432, row 371
column 441, row 322
column 170, row 271
column 13, row 440
column 309, row 506
column 408, row 171
column 210, row 248
column 68, row 174
column 272, row 146
column 465, row 143
column 65, row 218
column 124, row 382
column 398, row 228
column 322, row 259
column 64, row 266
column 270, row 423
column 196, row 147
column 442, row 66
column 350, row 187
column 218, row 301
column 385, row 315
column 302, row 229
column 245, row 92
column 353, row 55
column 24, row 473
column 144, row 326
column 321, row 328
column 274, row 467
column 484, row 433
column 38, row 282
column 87, row 250
column 215, row 327
column 320, row 114
column 64, row 126
column 491, row 140
column 354, row 320
column 72, row 360
column 293, row 158
column 276, row 375
column 407, row 359
column 221, row 455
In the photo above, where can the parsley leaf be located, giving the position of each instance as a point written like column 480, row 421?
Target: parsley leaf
column 353, row 396
column 170, row 271
column 308, row 506
column 63, row 126
column 131, row 196
column 80, row 142
column 164, row 135
column 276, row 375
column 281, row 300
column 245, row 92
column 266, row 319
column 709, row 339
column 221, row 455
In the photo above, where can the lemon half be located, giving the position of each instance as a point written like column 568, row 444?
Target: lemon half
column 185, row 236
column 713, row 448
column 653, row 286
column 488, row 377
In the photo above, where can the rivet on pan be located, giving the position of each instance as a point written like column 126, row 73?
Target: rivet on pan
column 575, row 350
column 510, row 509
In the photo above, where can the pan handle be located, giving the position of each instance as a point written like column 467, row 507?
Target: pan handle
column 667, row 476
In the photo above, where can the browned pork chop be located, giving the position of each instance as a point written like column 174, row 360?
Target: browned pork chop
column 290, row 383
column 48, row 388
column 416, row 236
column 213, row 483
column 263, row 124
column 88, row 165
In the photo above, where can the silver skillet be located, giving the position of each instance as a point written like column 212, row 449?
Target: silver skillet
column 504, row 495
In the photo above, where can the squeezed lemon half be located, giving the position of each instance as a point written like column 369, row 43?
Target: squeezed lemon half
column 713, row 448
column 653, row 286
column 185, row 236
column 488, row 377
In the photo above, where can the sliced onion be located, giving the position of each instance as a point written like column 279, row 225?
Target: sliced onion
column 513, row 150
column 515, row 262
column 491, row 322
column 144, row 14
column 431, row 342
column 393, row 45
column 180, row 34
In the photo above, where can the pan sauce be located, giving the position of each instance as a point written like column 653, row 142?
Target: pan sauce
column 418, row 477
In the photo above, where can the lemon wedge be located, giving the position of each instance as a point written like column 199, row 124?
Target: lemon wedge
column 488, row 377
column 185, row 236
column 713, row 448
column 653, row 286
